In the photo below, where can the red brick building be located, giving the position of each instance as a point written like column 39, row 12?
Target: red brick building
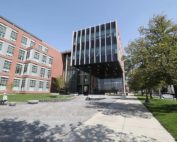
column 27, row 63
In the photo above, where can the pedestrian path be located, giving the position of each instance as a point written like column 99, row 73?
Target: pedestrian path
column 125, row 120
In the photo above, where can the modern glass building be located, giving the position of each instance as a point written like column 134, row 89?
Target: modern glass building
column 96, row 56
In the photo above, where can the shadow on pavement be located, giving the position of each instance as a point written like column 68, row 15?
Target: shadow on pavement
column 122, row 109
column 13, row 130
column 100, row 133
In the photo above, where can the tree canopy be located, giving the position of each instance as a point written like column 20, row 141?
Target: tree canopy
column 60, row 83
column 151, row 60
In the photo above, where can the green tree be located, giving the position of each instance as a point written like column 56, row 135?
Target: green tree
column 152, row 58
column 60, row 83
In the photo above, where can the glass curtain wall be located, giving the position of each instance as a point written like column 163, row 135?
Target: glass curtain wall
column 114, row 41
column 102, row 43
column 78, row 48
column 87, row 47
column 110, row 85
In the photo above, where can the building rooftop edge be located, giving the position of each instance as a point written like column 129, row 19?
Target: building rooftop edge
column 65, row 52
column 20, row 27
column 95, row 25
column 28, row 32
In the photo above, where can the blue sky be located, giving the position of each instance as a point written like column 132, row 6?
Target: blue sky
column 54, row 20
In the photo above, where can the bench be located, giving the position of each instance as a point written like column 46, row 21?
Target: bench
column 12, row 103
column 33, row 101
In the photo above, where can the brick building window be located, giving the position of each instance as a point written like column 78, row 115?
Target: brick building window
column 46, row 50
column 25, row 68
column 13, row 36
column 49, row 73
column 44, row 58
column 24, row 40
column 10, row 50
column 2, row 30
column 21, row 55
column 50, row 61
column 16, row 83
column 36, row 55
column 1, row 43
column 47, row 85
column 32, row 83
column 40, row 47
column 34, row 69
column 23, row 83
column 42, row 72
column 32, row 44
column 3, row 81
column 19, row 69
column 41, row 84
column 7, row 65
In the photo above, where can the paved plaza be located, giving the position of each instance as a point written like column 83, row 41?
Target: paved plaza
column 101, row 119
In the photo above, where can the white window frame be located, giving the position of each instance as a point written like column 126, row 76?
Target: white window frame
column 9, row 53
column 12, row 37
column 26, row 40
column 20, row 57
column 34, row 67
column 32, row 83
column 36, row 55
column 19, row 80
column 7, row 69
column 2, row 84
column 2, row 35
column 21, row 69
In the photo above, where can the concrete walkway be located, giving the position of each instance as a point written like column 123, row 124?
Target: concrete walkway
column 125, row 120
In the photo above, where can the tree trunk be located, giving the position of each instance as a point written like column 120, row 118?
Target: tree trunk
column 160, row 94
column 150, row 94
column 142, row 92
column 147, row 97
column 175, row 89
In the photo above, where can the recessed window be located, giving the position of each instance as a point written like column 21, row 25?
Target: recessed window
column 50, row 60
column 23, row 83
column 25, row 68
column 41, row 84
column 32, row 44
column 1, row 43
column 28, row 54
column 19, row 68
column 3, row 81
column 10, row 50
column 42, row 72
column 24, row 40
column 2, row 30
column 21, row 55
column 32, row 83
column 40, row 47
column 34, row 69
column 7, row 65
column 36, row 55
column 16, row 83
column 13, row 36
column 49, row 73
column 44, row 58
column 47, row 85
column 46, row 50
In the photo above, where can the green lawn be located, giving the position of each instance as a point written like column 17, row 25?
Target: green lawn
column 165, row 111
column 26, row 97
